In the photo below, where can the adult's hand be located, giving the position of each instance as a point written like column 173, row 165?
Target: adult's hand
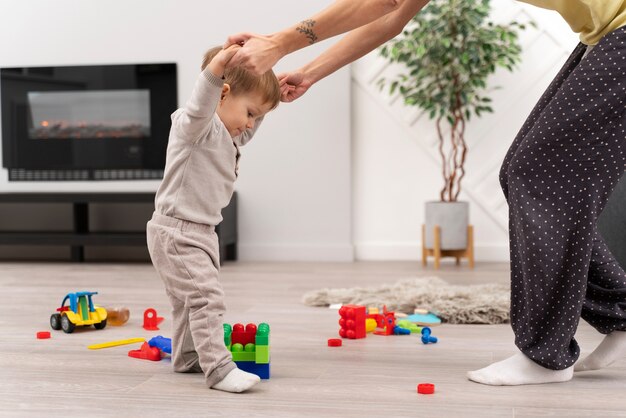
column 258, row 53
column 293, row 85
column 220, row 61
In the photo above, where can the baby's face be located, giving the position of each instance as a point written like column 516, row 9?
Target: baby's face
column 240, row 112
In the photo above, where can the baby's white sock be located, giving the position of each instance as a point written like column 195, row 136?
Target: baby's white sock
column 518, row 370
column 237, row 381
column 612, row 347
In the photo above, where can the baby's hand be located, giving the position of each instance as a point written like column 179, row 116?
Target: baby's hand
column 218, row 63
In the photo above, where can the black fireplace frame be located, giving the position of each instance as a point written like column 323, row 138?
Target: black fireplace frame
column 86, row 158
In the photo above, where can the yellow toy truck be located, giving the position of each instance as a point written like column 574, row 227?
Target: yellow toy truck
column 80, row 312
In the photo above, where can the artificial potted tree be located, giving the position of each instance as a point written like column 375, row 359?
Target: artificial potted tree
column 448, row 51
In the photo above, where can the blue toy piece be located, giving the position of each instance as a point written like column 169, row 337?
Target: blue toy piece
column 162, row 343
column 426, row 337
column 397, row 330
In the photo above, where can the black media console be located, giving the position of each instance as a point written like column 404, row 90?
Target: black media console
column 80, row 236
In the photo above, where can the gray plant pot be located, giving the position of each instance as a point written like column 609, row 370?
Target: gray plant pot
column 453, row 219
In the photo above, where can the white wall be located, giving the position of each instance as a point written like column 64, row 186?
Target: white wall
column 395, row 161
column 305, row 192
column 294, row 188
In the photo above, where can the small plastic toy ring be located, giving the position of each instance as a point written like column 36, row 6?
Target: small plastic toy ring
column 426, row 388
column 334, row 342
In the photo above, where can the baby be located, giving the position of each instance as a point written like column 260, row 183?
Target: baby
column 225, row 110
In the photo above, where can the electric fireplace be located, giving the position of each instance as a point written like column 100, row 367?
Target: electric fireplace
column 103, row 122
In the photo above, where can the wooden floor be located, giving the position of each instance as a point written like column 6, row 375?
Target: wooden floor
column 373, row 377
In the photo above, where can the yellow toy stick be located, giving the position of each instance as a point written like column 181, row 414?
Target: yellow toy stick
column 116, row 343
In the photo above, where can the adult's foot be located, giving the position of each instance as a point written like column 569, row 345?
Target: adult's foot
column 518, row 370
column 612, row 348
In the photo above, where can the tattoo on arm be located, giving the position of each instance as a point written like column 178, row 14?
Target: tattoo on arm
column 306, row 28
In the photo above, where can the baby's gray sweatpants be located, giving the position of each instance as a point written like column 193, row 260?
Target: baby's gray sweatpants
column 186, row 257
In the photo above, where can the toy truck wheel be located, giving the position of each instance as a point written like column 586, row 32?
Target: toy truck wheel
column 67, row 325
column 100, row 325
column 55, row 321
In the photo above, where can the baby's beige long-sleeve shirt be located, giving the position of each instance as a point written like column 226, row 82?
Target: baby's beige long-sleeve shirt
column 202, row 158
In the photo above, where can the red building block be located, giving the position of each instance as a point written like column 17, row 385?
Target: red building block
column 243, row 337
column 352, row 321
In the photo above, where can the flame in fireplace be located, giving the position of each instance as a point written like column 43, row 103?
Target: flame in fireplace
column 83, row 129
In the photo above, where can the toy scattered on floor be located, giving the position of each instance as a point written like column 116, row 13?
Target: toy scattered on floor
column 385, row 322
column 398, row 330
column 352, row 321
column 80, row 312
column 428, row 319
column 146, row 353
column 117, row 315
column 249, row 347
column 43, row 335
column 162, row 343
column 370, row 324
column 426, row 388
column 334, row 342
column 426, row 337
column 150, row 320
column 412, row 327
column 109, row 344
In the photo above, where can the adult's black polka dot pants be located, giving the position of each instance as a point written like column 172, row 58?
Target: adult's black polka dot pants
column 557, row 177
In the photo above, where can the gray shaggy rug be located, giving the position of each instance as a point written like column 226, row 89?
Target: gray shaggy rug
column 474, row 304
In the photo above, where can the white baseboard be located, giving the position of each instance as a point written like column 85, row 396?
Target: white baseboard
column 413, row 252
column 296, row 252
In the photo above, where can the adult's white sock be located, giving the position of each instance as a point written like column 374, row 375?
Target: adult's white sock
column 612, row 348
column 518, row 370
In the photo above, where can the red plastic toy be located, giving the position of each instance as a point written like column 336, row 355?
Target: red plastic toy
column 151, row 320
column 146, row 353
column 352, row 321
column 334, row 342
column 243, row 337
column 426, row 388
column 385, row 322
column 42, row 335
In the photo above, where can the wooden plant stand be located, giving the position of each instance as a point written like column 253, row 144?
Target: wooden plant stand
column 438, row 253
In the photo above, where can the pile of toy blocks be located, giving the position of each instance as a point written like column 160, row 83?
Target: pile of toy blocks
column 250, row 347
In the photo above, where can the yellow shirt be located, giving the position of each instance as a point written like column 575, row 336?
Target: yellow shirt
column 591, row 18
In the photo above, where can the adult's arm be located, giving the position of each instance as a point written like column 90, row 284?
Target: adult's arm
column 352, row 47
column 260, row 53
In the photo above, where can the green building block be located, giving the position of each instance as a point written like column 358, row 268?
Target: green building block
column 262, row 334
column 262, row 354
column 228, row 331
column 243, row 356
column 246, row 353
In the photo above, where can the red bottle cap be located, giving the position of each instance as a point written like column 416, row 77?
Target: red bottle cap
column 42, row 335
column 334, row 342
column 426, row 388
